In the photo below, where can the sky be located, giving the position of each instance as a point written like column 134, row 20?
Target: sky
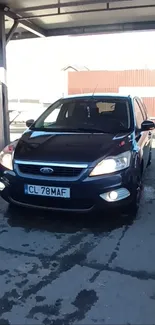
column 34, row 65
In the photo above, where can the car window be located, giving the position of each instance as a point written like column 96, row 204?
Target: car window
column 138, row 114
column 52, row 117
column 109, row 115
column 143, row 109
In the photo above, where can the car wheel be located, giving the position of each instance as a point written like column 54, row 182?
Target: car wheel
column 150, row 158
column 132, row 209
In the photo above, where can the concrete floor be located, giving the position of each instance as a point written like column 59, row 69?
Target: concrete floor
column 78, row 270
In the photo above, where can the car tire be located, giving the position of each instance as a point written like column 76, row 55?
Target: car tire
column 132, row 209
column 150, row 158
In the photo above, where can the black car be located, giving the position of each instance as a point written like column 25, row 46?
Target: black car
column 84, row 152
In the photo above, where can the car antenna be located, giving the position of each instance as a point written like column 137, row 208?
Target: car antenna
column 94, row 90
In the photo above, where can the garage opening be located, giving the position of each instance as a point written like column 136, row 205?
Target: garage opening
column 54, row 63
column 90, row 64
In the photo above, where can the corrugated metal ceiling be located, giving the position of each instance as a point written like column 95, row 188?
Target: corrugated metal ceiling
column 61, row 17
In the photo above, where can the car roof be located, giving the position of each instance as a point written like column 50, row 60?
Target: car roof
column 99, row 95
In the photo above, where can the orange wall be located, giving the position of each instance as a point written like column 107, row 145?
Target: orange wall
column 110, row 81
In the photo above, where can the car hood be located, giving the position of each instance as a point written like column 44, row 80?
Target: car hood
column 68, row 147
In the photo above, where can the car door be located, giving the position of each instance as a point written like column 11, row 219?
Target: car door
column 142, row 138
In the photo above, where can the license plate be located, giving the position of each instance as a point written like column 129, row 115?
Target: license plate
column 49, row 191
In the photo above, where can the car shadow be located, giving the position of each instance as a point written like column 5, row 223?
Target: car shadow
column 66, row 222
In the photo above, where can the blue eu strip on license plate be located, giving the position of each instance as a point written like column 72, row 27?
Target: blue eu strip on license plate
column 25, row 189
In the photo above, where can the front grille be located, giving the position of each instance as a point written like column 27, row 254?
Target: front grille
column 58, row 171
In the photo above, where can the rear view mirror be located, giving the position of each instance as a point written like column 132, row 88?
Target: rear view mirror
column 147, row 125
column 29, row 123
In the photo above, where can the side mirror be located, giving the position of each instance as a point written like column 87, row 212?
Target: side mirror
column 29, row 123
column 147, row 125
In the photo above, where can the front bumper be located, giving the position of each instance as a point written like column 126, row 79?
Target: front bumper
column 85, row 193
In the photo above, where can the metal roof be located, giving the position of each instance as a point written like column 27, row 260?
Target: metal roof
column 69, row 17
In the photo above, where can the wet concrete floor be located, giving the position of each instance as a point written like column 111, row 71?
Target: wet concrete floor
column 59, row 269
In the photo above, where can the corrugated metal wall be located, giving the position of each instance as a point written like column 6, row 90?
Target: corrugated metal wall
column 110, row 81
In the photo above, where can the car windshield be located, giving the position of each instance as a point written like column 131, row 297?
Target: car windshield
column 92, row 114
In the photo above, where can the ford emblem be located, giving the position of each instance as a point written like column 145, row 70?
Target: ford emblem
column 46, row 170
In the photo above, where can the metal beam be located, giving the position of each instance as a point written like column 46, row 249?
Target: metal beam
column 11, row 32
column 26, row 24
column 87, row 11
column 4, row 115
column 67, row 4
column 103, row 29
column 93, row 29
column 23, row 35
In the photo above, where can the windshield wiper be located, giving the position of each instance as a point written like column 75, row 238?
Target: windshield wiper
column 91, row 130
column 68, row 129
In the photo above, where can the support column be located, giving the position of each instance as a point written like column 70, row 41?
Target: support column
column 4, row 115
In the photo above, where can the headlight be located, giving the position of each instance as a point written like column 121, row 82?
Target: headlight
column 6, row 161
column 112, row 164
column 6, row 156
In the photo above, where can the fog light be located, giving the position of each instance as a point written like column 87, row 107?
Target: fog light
column 2, row 186
column 117, row 195
column 113, row 195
